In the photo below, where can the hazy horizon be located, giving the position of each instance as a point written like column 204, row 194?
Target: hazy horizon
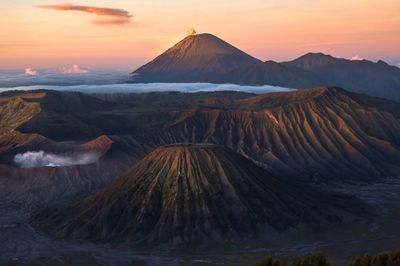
column 128, row 69
column 125, row 35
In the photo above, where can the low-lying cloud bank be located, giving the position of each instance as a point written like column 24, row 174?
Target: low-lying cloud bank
column 156, row 87
column 32, row 159
column 65, row 76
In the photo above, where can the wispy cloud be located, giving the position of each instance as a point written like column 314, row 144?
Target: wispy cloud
column 356, row 58
column 30, row 71
column 111, row 21
column 74, row 69
column 111, row 15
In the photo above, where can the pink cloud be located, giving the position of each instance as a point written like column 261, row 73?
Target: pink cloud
column 74, row 69
column 111, row 21
column 356, row 58
column 30, row 71
column 114, row 15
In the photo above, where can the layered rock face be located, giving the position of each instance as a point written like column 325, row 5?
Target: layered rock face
column 188, row 193
column 322, row 134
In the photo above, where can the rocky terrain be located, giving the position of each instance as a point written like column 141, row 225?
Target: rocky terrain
column 191, row 193
column 310, row 144
column 27, row 190
column 319, row 135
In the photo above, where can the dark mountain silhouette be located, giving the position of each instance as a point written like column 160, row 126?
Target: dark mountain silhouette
column 78, row 116
column 53, row 114
column 317, row 69
column 270, row 73
column 196, row 58
column 206, row 58
column 313, row 61
column 377, row 79
column 189, row 193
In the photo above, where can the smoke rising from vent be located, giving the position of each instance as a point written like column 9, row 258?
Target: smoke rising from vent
column 32, row 159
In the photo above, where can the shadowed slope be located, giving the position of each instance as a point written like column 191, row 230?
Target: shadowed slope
column 191, row 193
column 376, row 79
column 271, row 73
column 78, row 116
column 57, row 115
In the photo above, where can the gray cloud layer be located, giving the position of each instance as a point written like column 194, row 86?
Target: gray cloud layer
column 150, row 87
column 64, row 76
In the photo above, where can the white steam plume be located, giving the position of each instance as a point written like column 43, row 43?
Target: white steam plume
column 32, row 159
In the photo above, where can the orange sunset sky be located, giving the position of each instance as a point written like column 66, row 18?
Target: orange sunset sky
column 123, row 34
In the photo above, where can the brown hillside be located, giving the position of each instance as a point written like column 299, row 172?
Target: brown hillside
column 191, row 194
column 316, row 134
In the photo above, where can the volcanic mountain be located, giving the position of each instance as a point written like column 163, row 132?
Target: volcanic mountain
column 206, row 58
column 53, row 114
column 363, row 76
column 270, row 73
column 320, row 134
column 191, row 193
column 196, row 58
column 317, row 69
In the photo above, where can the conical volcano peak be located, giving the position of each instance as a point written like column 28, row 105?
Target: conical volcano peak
column 196, row 58
column 205, row 43
column 188, row 193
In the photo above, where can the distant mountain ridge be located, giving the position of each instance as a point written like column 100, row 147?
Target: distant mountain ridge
column 363, row 76
column 207, row 58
